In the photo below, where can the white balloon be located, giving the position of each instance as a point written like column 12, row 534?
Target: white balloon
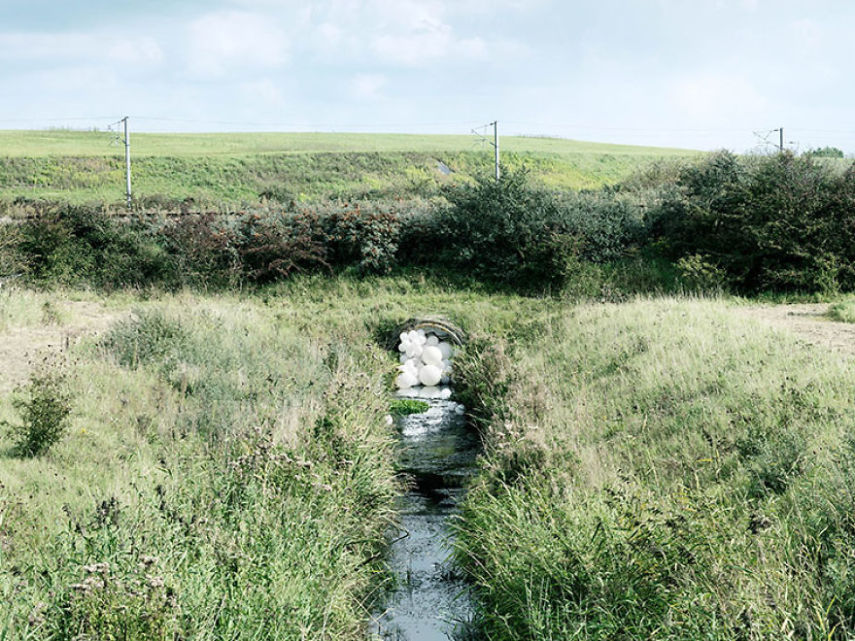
column 405, row 380
column 445, row 393
column 432, row 356
column 402, row 347
column 402, row 358
column 403, row 336
column 432, row 340
column 414, row 351
column 446, row 350
column 430, row 375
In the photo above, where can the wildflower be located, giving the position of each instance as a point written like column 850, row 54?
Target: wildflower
column 97, row 568
column 154, row 582
column 147, row 561
column 37, row 615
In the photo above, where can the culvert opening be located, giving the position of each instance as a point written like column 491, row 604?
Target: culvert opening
column 429, row 601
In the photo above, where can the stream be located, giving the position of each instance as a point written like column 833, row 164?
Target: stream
column 429, row 603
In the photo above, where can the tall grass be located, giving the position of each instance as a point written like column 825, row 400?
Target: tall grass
column 228, row 471
column 225, row 477
column 663, row 470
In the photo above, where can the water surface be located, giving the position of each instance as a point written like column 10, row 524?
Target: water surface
column 429, row 603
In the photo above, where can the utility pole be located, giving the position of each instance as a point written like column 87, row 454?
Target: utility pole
column 781, row 140
column 127, row 160
column 496, row 147
column 495, row 143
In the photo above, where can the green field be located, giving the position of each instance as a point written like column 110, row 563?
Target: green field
column 238, row 169
column 93, row 143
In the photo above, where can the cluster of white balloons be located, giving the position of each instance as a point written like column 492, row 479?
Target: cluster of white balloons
column 425, row 360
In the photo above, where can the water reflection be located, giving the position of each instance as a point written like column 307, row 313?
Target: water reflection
column 429, row 603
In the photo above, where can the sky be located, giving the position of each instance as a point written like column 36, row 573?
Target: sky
column 702, row 74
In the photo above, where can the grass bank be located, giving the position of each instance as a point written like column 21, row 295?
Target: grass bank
column 228, row 471
column 232, row 170
column 662, row 469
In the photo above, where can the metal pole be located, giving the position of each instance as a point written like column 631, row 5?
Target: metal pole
column 781, row 140
column 495, row 124
column 127, row 161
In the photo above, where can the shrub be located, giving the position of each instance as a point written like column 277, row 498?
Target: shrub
column 605, row 224
column 13, row 262
column 779, row 223
column 501, row 231
column 276, row 246
column 148, row 337
column 44, row 406
column 81, row 244
column 700, row 274
column 508, row 232
column 202, row 252
column 367, row 237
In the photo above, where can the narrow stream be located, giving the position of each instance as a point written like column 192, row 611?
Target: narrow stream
column 429, row 602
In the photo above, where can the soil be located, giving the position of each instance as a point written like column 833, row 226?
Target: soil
column 22, row 347
column 809, row 322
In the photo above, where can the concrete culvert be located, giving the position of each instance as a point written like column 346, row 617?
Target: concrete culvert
column 439, row 327
column 426, row 347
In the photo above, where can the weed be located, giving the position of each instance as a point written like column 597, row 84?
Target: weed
column 406, row 406
column 44, row 405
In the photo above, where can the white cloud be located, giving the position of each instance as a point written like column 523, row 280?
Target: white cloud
column 719, row 98
column 63, row 47
column 367, row 86
column 331, row 33
column 227, row 40
column 407, row 33
column 262, row 93
column 807, row 34
column 427, row 45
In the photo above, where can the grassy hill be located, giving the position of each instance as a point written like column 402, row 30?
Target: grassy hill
column 234, row 169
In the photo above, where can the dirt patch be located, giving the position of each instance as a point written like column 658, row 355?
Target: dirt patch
column 21, row 347
column 809, row 322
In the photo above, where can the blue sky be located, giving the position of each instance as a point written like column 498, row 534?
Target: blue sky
column 688, row 73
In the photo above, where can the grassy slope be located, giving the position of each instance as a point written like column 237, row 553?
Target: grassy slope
column 664, row 470
column 83, row 143
column 657, row 469
column 234, row 168
column 167, row 459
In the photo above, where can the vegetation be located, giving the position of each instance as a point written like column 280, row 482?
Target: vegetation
column 776, row 223
column 232, row 171
column 406, row 406
column 44, row 406
column 653, row 467
column 228, row 471
column 661, row 469
column 843, row 311
column 825, row 152
column 771, row 224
